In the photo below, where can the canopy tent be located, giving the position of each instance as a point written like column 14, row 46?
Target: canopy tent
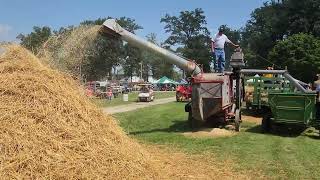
column 165, row 80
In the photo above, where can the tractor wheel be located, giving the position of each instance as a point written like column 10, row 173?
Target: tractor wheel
column 266, row 122
column 237, row 120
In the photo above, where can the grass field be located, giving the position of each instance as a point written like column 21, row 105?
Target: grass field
column 276, row 156
column 132, row 98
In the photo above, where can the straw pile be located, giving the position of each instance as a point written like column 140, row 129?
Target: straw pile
column 50, row 130
column 210, row 133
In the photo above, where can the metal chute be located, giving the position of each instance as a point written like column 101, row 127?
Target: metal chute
column 112, row 28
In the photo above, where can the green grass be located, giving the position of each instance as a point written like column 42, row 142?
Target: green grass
column 132, row 98
column 276, row 156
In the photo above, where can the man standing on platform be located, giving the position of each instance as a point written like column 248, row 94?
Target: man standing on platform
column 218, row 43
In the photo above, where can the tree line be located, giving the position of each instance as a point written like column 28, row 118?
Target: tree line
column 103, row 55
column 281, row 33
column 284, row 34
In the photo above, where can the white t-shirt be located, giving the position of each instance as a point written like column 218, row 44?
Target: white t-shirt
column 219, row 41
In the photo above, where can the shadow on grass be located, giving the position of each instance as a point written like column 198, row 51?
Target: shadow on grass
column 283, row 131
column 252, row 112
column 178, row 126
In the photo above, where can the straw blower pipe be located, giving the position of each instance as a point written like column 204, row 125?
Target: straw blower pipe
column 112, row 28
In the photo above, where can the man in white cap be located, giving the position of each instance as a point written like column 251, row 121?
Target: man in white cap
column 219, row 41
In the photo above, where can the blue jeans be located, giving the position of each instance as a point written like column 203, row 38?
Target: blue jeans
column 220, row 61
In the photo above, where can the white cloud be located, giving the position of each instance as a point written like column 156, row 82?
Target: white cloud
column 5, row 30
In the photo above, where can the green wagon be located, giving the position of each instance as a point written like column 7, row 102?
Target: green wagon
column 258, row 88
column 291, row 108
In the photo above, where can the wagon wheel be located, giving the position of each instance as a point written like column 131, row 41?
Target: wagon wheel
column 237, row 120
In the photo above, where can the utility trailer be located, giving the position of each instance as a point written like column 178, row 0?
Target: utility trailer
column 292, row 103
column 298, row 109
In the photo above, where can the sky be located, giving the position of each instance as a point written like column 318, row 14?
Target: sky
column 19, row 16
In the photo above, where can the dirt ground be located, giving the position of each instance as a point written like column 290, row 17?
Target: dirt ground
column 217, row 132
column 138, row 105
column 182, row 165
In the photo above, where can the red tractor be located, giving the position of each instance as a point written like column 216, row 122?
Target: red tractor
column 183, row 92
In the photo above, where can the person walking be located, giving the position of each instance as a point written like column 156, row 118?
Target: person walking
column 218, row 43
column 109, row 94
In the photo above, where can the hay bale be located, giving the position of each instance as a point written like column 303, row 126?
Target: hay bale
column 50, row 130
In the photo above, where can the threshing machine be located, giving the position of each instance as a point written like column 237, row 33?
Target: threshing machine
column 216, row 97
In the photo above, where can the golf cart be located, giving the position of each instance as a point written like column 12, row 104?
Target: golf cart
column 146, row 93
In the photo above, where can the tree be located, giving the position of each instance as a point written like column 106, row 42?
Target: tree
column 267, row 25
column 106, row 54
column 161, row 67
column 132, row 55
column 114, row 52
column 35, row 39
column 131, row 63
column 98, row 21
column 300, row 53
column 129, row 24
column 276, row 21
column 81, row 50
column 149, row 58
column 303, row 16
column 155, row 63
column 189, row 31
column 109, row 53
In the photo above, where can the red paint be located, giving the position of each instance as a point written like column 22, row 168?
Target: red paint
column 185, row 91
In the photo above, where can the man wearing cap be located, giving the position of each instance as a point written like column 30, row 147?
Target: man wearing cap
column 218, row 43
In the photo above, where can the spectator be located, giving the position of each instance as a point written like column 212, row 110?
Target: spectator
column 109, row 94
